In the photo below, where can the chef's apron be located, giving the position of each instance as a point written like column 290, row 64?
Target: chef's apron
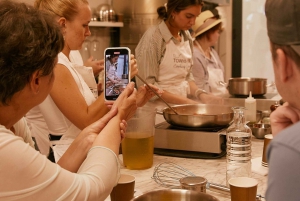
column 215, row 74
column 174, row 68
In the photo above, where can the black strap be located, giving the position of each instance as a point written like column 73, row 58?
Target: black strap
column 54, row 137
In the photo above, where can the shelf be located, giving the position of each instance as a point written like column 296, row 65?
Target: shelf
column 105, row 24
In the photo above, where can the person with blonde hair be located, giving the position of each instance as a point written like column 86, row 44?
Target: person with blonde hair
column 71, row 105
column 27, row 61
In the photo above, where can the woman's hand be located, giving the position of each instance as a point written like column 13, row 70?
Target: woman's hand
column 144, row 94
column 133, row 67
column 283, row 117
column 126, row 102
column 97, row 65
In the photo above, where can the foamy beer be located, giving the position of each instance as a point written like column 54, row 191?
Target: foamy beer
column 138, row 144
column 267, row 140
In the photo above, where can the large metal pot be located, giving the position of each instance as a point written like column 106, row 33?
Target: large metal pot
column 241, row 86
column 174, row 195
column 199, row 115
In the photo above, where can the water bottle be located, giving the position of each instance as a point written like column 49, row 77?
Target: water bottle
column 238, row 137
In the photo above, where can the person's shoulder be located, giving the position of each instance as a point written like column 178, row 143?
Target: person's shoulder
column 198, row 53
column 150, row 32
column 289, row 137
column 151, row 38
column 6, row 134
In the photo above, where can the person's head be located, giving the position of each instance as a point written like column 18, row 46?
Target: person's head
column 73, row 17
column 208, row 27
column 30, row 43
column 283, row 26
column 180, row 13
column 113, row 58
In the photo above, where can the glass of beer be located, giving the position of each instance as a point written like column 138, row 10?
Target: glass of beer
column 138, row 144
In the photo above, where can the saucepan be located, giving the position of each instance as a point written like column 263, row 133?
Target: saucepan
column 241, row 86
column 198, row 115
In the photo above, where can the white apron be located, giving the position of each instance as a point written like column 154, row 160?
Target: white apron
column 174, row 68
column 215, row 75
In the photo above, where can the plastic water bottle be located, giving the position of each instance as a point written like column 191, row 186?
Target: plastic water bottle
column 238, row 137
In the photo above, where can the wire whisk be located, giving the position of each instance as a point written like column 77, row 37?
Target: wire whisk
column 168, row 174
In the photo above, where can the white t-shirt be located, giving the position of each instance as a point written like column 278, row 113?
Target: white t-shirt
column 28, row 175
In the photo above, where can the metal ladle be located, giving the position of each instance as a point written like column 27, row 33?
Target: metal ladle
column 156, row 93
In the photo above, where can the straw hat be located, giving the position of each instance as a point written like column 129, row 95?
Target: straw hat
column 204, row 22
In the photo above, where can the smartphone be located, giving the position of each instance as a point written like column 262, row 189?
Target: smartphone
column 117, row 74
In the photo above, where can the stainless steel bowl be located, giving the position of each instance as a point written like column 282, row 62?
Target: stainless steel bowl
column 259, row 130
column 175, row 195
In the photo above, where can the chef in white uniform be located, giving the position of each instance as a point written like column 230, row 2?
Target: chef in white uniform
column 164, row 54
column 208, row 70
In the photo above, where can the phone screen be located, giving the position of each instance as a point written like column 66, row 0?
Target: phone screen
column 117, row 74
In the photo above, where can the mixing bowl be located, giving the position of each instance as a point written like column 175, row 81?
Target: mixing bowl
column 175, row 195
column 259, row 130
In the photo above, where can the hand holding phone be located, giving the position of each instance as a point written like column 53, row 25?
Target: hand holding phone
column 117, row 74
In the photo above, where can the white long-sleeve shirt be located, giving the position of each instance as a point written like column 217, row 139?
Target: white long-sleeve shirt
column 25, row 174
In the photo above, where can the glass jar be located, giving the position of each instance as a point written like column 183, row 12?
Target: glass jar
column 238, row 137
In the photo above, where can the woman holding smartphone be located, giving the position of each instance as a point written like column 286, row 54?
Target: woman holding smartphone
column 71, row 106
column 27, row 76
column 165, row 54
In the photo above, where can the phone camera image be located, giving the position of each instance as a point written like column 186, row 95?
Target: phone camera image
column 116, row 71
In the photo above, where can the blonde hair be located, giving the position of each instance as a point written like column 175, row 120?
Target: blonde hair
column 61, row 8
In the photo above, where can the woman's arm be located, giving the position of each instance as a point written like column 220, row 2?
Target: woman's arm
column 126, row 106
column 77, row 152
column 123, row 108
column 70, row 101
column 204, row 97
column 96, row 176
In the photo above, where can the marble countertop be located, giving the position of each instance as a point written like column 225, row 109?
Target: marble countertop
column 214, row 170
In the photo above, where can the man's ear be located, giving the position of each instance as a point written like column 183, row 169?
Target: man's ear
column 35, row 82
column 284, row 65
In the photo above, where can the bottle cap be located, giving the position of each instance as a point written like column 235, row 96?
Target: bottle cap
column 250, row 98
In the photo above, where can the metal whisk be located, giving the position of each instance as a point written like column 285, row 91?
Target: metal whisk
column 169, row 174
